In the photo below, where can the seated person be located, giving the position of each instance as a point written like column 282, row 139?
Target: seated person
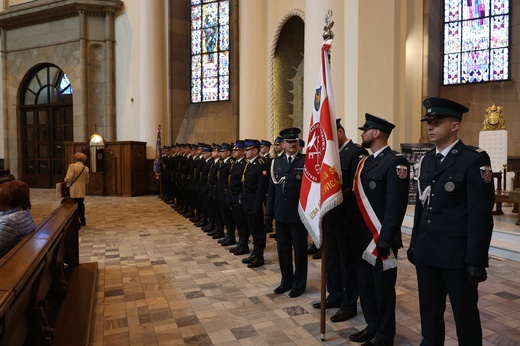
column 16, row 220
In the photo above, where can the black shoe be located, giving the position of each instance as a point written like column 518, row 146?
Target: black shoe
column 188, row 215
column 195, row 219
column 296, row 293
column 84, row 223
column 317, row 255
column 201, row 224
column 281, row 289
column 229, row 241
column 361, row 336
column 235, row 248
column 272, row 235
column 221, row 240
column 312, row 249
column 218, row 235
column 208, row 228
column 342, row 315
column 212, row 233
column 243, row 250
column 328, row 305
column 256, row 262
column 248, row 259
column 375, row 341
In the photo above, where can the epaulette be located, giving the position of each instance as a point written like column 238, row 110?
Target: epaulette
column 358, row 145
column 261, row 160
column 475, row 149
column 396, row 153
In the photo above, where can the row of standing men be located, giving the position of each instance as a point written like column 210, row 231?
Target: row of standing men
column 235, row 186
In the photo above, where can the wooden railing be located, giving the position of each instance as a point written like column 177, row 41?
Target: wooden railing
column 40, row 301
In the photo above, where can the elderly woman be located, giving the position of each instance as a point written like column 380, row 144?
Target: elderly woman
column 16, row 220
column 77, row 177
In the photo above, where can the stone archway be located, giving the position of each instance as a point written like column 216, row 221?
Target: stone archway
column 287, row 73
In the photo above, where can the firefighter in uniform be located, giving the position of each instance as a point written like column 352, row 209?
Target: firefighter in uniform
column 452, row 228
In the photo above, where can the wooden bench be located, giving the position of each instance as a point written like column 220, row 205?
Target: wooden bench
column 46, row 296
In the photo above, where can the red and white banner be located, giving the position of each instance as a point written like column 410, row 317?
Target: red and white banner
column 321, row 182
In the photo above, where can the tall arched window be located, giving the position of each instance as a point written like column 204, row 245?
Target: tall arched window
column 476, row 41
column 48, row 85
column 209, row 50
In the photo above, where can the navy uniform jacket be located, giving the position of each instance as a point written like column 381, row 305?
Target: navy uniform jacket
column 255, row 184
column 222, row 178
column 283, row 198
column 235, row 177
column 349, row 159
column 387, row 191
column 455, row 229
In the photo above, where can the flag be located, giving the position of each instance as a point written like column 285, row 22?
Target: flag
column 321, row 182
column 158, row 155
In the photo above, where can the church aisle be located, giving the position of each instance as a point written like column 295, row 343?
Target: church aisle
column 162, row 281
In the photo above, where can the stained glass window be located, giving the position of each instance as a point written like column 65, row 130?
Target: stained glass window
column 476, row 41
column 209, row 50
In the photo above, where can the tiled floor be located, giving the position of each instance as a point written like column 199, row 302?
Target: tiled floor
column 162, row 281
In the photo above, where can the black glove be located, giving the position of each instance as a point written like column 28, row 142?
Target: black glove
column 476, row 274
column 383, row 248
column 410, row 254
column 268, row 221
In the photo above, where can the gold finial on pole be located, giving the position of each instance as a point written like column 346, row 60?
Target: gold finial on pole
column 329, row 23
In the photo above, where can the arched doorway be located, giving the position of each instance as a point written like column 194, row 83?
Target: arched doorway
column 287, row 74
column 46, row 121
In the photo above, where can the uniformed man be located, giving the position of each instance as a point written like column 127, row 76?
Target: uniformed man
column 381, row 189
column 216, row 226
column 233, row 198
column 452, row 228
column 254, row 188
column 282, row 205
column 203, row 190
column 222, row 186
column 278, row 146
column 278, row 150
column 341, row 271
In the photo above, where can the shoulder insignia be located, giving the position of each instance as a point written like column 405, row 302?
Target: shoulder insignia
column 475, row 149
column 357, row 145
column 260, row 160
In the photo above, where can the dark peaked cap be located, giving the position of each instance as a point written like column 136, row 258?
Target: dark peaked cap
column 290, row 134
column 338, row 124
column 373, row 122
column 438, row 108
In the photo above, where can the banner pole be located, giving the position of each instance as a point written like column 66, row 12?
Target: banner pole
column 323, row 307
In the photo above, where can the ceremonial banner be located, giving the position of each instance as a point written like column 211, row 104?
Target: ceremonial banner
column 158, row 154
column 321, row 181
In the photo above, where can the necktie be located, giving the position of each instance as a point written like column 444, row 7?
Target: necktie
column 438, row 159
column 289, row 159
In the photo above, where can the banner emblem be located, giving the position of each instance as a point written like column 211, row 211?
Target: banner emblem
column 314, row 152
column 317, row 99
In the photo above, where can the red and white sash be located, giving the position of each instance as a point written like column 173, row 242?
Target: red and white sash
column 371, row 220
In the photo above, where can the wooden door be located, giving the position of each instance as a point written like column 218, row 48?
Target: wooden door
column 44, row 131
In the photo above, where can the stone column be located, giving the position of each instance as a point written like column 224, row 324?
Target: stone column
column 110, row 114
column 315, row 12
column 152, row 72
column 253, row 67
column 82, row 118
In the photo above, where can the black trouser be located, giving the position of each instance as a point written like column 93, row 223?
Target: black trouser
column 289, row 237
column 341, row 269
column 377, row 294
column 434, row 285
column 238, row 215
column 81, row 210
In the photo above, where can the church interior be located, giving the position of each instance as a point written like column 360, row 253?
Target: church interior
column 107, row 77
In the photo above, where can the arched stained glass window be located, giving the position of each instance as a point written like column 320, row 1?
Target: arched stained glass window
column 476, row 41
column 209, row 50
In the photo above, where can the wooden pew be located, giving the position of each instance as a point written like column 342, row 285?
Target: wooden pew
column 42, row 284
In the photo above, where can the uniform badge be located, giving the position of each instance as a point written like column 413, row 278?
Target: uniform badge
column 264, row 172
column 454, row 151
column 372, row 185
column 486, row 173
column 298, row 176
column 449, row 186
column 402, row 171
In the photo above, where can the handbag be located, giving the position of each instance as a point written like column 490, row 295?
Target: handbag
column 65, row 190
